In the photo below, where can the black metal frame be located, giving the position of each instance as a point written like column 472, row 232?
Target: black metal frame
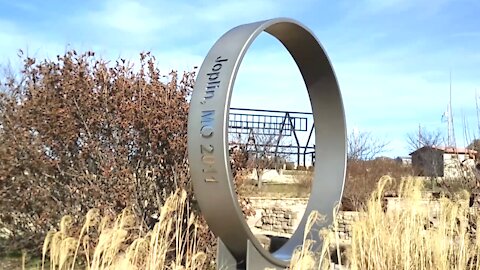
column 277, row 123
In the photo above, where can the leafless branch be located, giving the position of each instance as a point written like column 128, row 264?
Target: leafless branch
column 423, row 137
column 363, row 146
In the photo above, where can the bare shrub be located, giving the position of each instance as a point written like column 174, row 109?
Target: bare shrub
column 304, row 180
column 362, row 179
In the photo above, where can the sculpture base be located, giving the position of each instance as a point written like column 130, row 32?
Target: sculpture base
column 253, row 261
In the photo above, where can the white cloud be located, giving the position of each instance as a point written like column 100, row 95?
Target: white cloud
column 131, row 17
column 175, row 19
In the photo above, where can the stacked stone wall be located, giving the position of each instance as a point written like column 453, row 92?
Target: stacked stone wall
column 277, row 220
column 345, row 219
column 278, row 215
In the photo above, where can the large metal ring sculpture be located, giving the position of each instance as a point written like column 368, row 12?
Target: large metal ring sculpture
column 208, row 137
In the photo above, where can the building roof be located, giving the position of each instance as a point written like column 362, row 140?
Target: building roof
column 448, row 150
column 456, row 150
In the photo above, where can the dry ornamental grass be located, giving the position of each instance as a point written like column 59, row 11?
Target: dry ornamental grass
column 418, row 235
column 107, row 243
column 439, row 235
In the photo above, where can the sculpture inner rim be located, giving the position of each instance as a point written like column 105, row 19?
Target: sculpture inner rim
column 208, row 134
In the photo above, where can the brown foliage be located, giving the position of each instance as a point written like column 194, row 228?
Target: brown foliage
column 78, row 133
column 238, row 163
column 363, row 176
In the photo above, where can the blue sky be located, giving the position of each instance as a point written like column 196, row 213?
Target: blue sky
column 392, row 57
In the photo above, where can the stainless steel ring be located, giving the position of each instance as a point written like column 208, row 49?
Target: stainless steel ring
column 208, row 133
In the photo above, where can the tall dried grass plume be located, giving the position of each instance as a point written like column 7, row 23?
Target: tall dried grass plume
column 418, row 232
column 106, row 242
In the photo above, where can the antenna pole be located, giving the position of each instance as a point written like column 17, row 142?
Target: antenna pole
column 451, row 130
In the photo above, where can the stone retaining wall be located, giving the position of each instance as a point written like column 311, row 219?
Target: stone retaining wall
column 344, row 221
column 276, row 215
column 282, row 215
column 277, row 220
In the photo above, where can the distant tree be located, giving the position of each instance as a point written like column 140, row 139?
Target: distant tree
column 424, row 137
column 426, row 162
column 261, row 152
column 363, row 146
column 475, row 145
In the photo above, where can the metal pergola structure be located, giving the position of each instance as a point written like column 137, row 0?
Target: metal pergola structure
column 278, row 124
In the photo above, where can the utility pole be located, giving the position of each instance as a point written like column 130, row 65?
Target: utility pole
column 450, row 126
